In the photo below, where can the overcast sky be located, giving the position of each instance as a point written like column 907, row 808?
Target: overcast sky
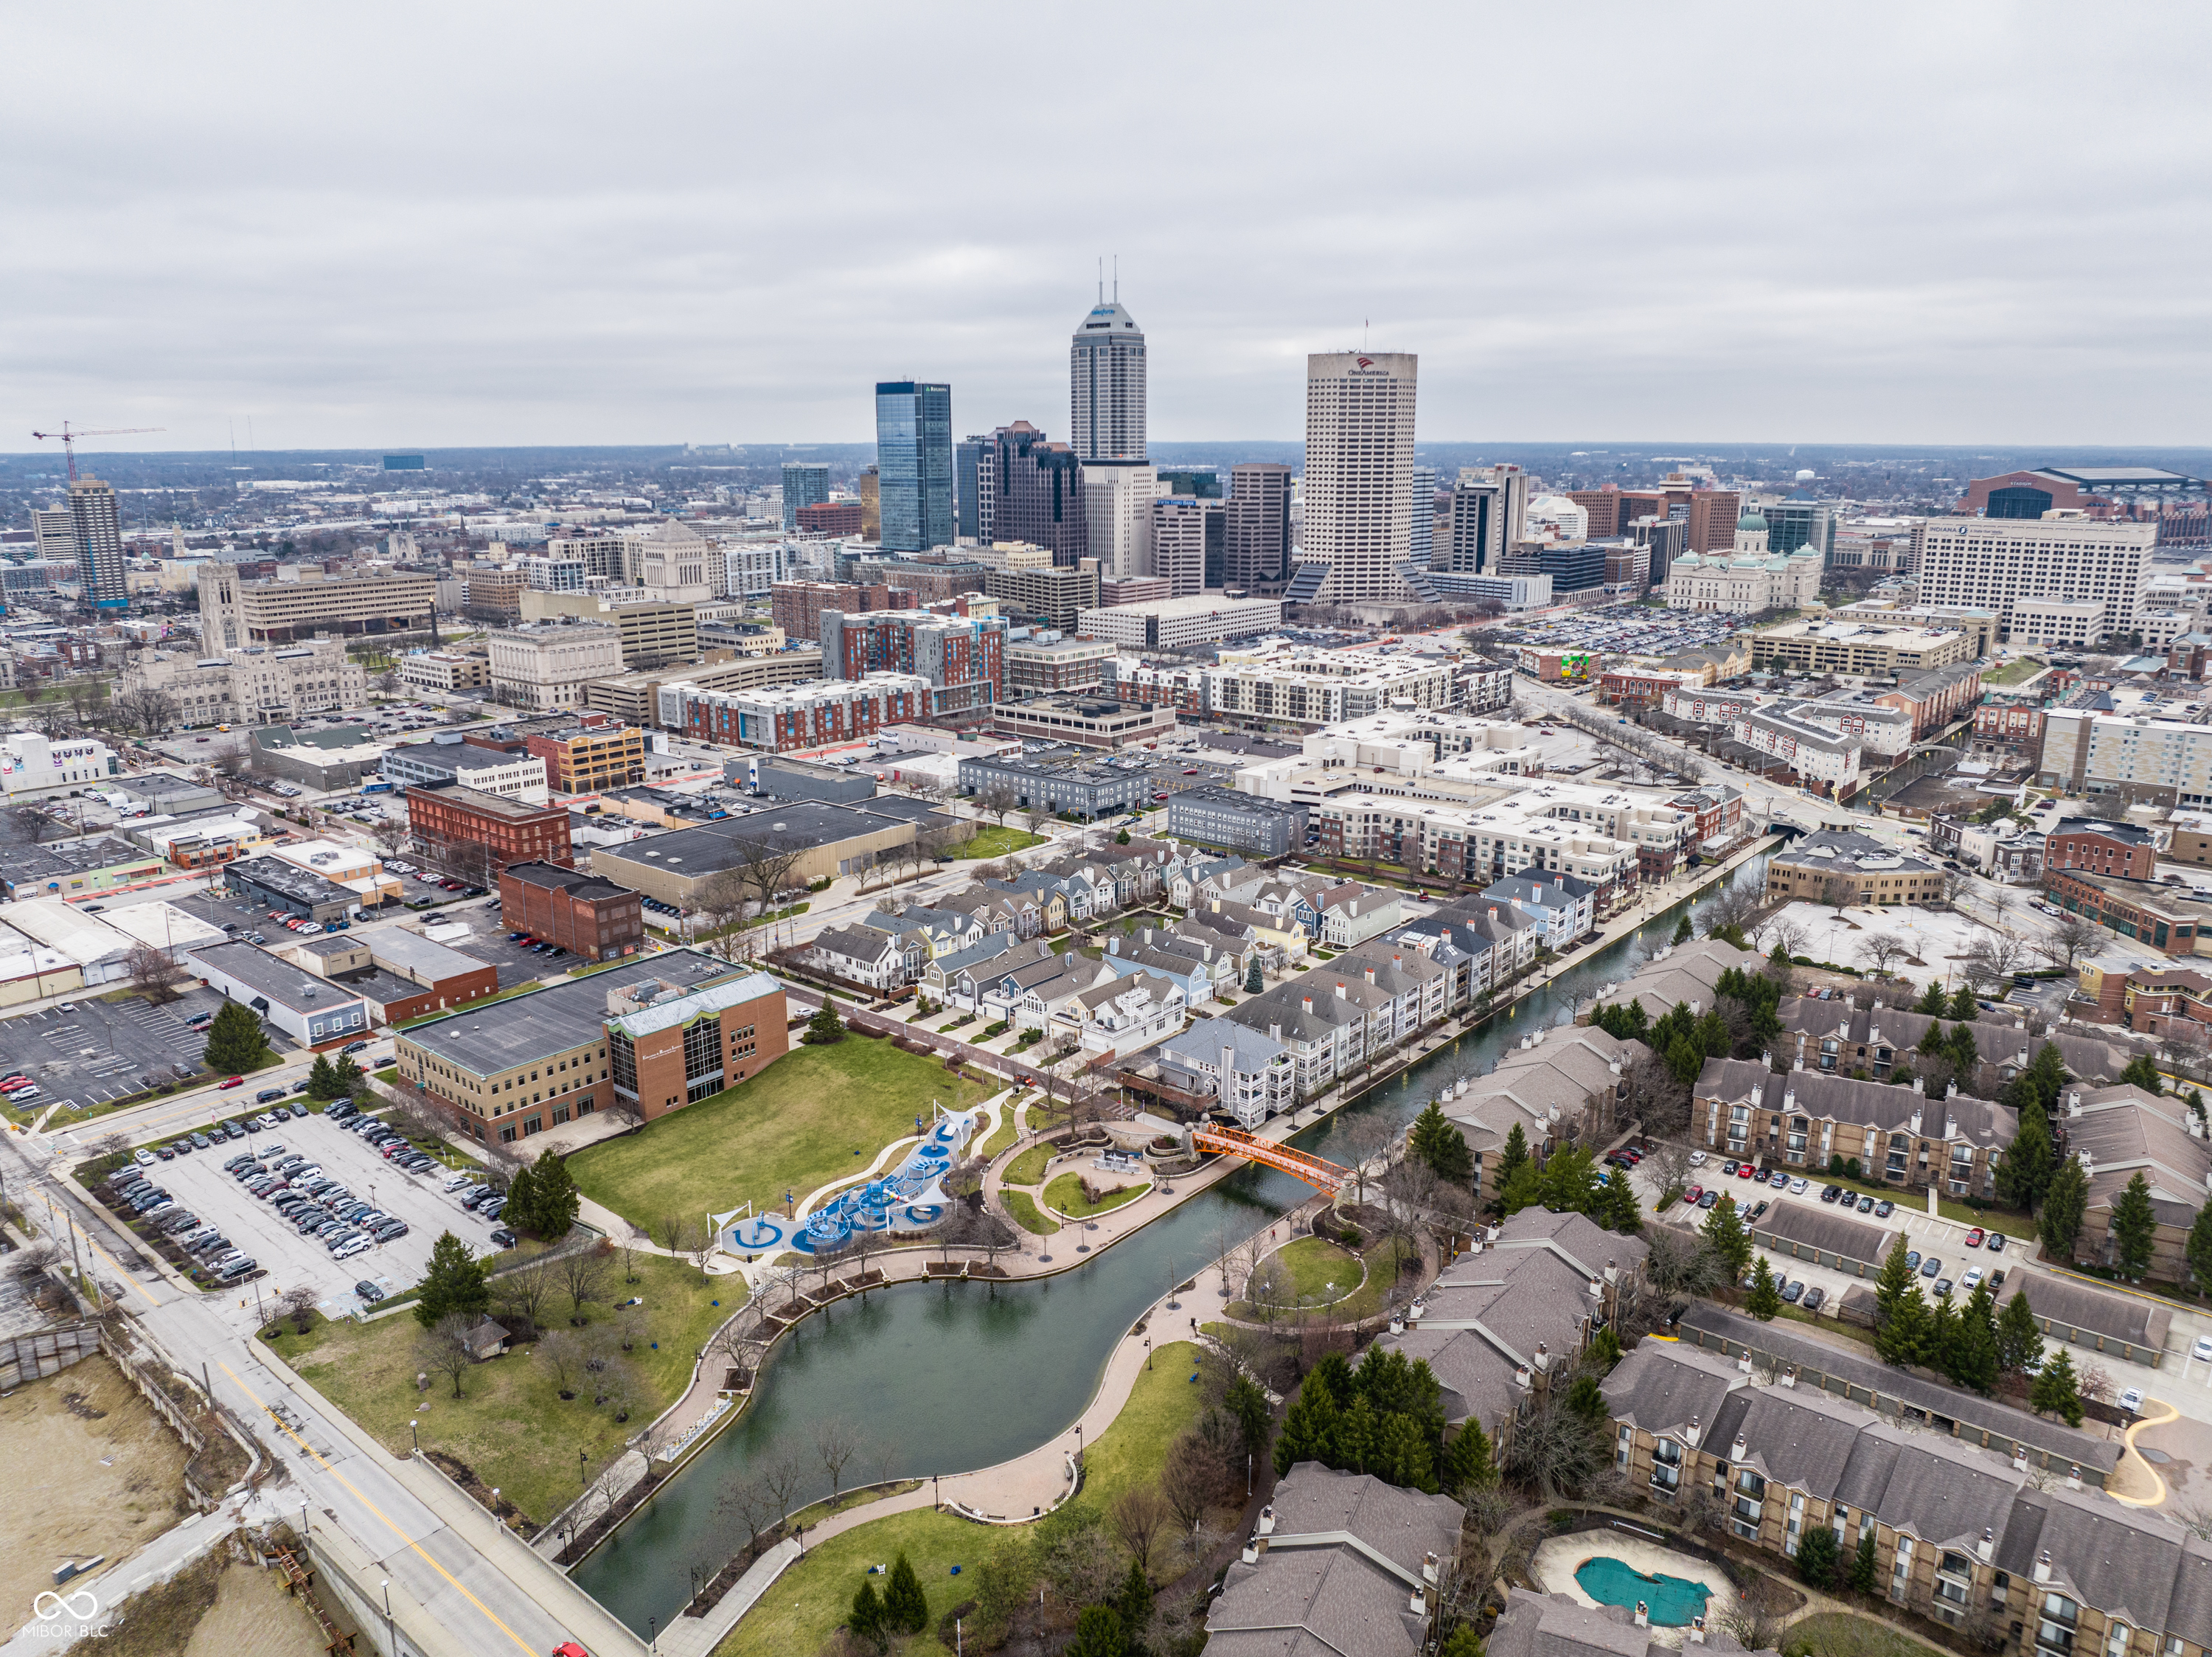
column 485, row 224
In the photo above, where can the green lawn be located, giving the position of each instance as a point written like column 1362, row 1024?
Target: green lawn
column 1029, row 1168
column 1002, row 1139
column 1314, row 1264
column 1840, row 1634
column 804, row 1605
column 815, row 1115
column 1027, row 1215
column 2013, row 672
column 997, row 842
column 509, row 1424
column 1066, row 1195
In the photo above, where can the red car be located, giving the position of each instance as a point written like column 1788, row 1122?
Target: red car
column 1974, row 1238
column 1745, row 1172
column 570, row 1648
column 230, row 1081
column 1693, row 1194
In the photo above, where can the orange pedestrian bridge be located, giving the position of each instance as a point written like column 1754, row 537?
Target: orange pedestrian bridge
column 1235, row 1142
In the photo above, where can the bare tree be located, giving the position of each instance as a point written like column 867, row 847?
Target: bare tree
column 1193, row 1480
column 1136, row 1518
column 1879, row 949
column 997, row 800
column 750, row 1501
column 152, row 974
column 1736, row 907
column 583, row 1279
column 563, row 1355
column 299, row 1305
column 1360, row 1140
column 1782, row 933
column 836, row 1442
column 1993, row 959
column 632, row 1241
column 523, row 1292
column 674, row 1233
column 781, row 1476
column 1956, row 883
column 1839, row 892
column 2069, row 939
column 765, row 867
column 445, row 1350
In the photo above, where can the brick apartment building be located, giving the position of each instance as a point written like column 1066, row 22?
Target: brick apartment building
column 586, row 915
column 831, row 518
column 2121, row 849
column 797, row 606
column 1997, row 725
column 475, row 835
column 962, row 659
column 789, row 718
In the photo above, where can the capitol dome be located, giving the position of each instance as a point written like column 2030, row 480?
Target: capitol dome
column 1752, row 519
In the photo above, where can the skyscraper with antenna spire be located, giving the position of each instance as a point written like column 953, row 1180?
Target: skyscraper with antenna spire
column 1106, row 383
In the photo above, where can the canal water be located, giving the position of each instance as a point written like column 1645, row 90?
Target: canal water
column 945, row 1377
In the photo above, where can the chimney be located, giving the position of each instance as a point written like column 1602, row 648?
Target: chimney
column 1697, row 1631
column 1950, row 1123
column 1251, row 1554
column 1597, row 1288
column 2043, row 1566
column 1521, row 1378
column 1370, row 975
column 1306, row 1001
column 1800, row 1064
column 2020, row 1458
column 1430, row 1567
column 1790, row 1376
column 1696, row 1007
column 1874, row 1034
column 1743, row 1363
column 1267, row 1519
column 1543, row 1357
column 1915, row 1117
column 1987, row 1547
column 1951, row 1090
column 1758, row 1094
column 1789, row 1097
column 2074, row 1477
column 1339, row 990
column 1275, row 1030
column 1918, row 1085
column 1742, row 1447
column 1642, row 1615
column 2074, row 1104
column 1696, row 1430
column 1612, row 1272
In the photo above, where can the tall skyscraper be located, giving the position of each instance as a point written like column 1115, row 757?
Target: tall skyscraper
column 913, row 464
column 1257, row 540
column 53, row 528
column 805, row 483
column 99, row 531
column 1036, row 493
column 1423, row 515
column 872, row 505
column 971, row 488
column 1489, row 512
column 1359, row 475
column 1106, row 389
column 1117, row 514
column 1182, row 527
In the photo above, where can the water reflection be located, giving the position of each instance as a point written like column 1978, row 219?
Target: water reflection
column 946, row 1377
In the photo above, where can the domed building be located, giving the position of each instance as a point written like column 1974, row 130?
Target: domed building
column 1748, row 578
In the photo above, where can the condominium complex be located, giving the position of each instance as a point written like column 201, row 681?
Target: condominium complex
column 801, row 717
column 1997, row 562
column 545, row 667
column 1058, row 595
column 1358, row 477
column 234, row 611
column 2132, row 758
column 798, row 605
column 963, row 662
column 635, row 699
column 1300, row 687
column 1051, row 664
column 805, row 483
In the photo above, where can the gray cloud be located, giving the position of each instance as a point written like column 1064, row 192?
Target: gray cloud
column 551, row 223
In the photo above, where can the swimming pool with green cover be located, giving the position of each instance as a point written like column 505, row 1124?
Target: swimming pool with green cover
column 1672, row 1600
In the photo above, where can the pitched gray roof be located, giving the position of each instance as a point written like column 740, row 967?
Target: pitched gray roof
column 1880, row 1105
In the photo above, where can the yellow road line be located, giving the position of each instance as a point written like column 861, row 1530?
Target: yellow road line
column 416, row 1547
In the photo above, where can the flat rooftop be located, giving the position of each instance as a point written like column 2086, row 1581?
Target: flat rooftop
column 491, row 1040
column 282, row 983
column 553, row 877
column 301, row 885
column 486, row 805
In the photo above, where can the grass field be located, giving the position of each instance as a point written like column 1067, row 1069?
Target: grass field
column 1065, row 1194
column 818, row 1114
column 997, row 842
column 1029, row 1168
column 806, row 1604
column 1830, row 1631
column 1314, row 1264
column 510, row 1424
column 1002, row 1140
column 1027, row 1215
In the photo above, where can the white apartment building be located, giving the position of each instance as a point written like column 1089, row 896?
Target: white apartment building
column 546, row 667
column 1357, row 494
column 1995, row 562
column 1172, row 624
column 1296, row 685
column 1815, row 751
column 748, row 568
column 444, row 672
column 1178, row 535
column 260, row 684
column 1117, row 514
column 552, row 575
column 2133, row 757
column 1477, row 844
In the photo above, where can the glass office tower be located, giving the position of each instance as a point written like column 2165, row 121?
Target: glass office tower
column 913, row 464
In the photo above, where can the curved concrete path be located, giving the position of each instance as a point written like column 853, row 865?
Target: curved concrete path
column 2134, row 1481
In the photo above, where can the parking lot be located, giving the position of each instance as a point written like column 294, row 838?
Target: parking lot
column 84, row 1053
column 1621, row 629
column 198, row 1183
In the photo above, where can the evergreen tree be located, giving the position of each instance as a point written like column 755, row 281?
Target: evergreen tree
column 454, row 1281
column 1440, row 1144
column 236, row 1042
column 2025, row 1173
column 906, row 1608
column 824, row 1027
column 1122, row 838
column 1357, row 1434
column 1903, row 1335
column 322, row 1080
column 521, row 1209
column 2058, row 1390
column 347, row 1074
column 1623, row 1023
column 1464, row 1642
column 1683, row 933
column 1765, row 1299
column 1309, row 1428
column 2019, row 1340
column 555, row 1200
column 1970, row 1359
column 1135, row 1605
column 1725, row 1230
column 1604, row 1349
column 2196, row 1252
column 1098, row 1633
column 1254, row 982
column 1523, row 1188
column 1468, row 1463
column 866, row 1621
column 2142, row 1072
column 1586, row 1399
column 2196, row 1103
column 1932, row 1001
column 1335, row 1373
column 1963, row 1002
column 1942, row 1330
column 2135, row 1228
column 1401, row 1455
column 2063, row 1206
column 1818, row 1556
column 1514, row 1153
column 1568, row 1183
column 1255, row 1416
column 1862, row 1564
column 1963, row 1053
column 1617, row 1208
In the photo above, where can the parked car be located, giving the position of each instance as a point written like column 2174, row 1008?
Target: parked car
column 1994, row 1242
column 1795, row 1293
column 1930, row 1266
column 1974, row 1238
column 1711, row 1199
column 1832, row 1193
column 1697, row 1159
column 1884, row 1209
column 2132, row 1400
column 368, row 1292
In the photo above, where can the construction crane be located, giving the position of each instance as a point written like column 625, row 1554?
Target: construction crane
column 69, row 439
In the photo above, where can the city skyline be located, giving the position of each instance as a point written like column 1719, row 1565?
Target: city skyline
column 435, row 254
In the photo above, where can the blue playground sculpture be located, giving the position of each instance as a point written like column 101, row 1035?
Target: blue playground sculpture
column 910, row 1197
